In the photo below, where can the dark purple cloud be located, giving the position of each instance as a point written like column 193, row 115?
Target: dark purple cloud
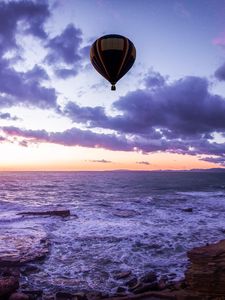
column 36, row 135
column 65, row 73
column 155, row 80
column 25, row 87
column 7, row 116
column 3, row 139
column 71, row 137
column 87, row 138
column 180, row 117
column 217, row 160
column 64, row 49
column 85, row 114
column 33, row 14
column 28, row 17
column 220, row 73
column 85, row 52
column 37, row 73
column 183, row 109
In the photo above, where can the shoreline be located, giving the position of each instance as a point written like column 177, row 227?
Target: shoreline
column 203, row 279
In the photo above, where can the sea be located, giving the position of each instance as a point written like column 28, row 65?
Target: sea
column 121, row 221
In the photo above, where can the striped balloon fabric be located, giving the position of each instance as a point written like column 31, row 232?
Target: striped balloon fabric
column 112, row 56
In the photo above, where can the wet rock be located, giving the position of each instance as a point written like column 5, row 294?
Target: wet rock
column 28, row 269
column 18, row 296
column 18, row 246
column 95, row 295
column 119, row 295
column 8, row 285
column 162, row 284
column 65, row 281
column 122, row 275
column 9, row 271
column 183, row 284
column 176, row 285
column 188, row 209
column 149, row 277
column 172, row 275
column 146, row 287
column 121, row 289
column 126, row 213
column 48, row 297
column 131, row 283
column 60, row 213
column 206, row 272
column 150, row 296
column 65, row 296
column 154, row 246
column 137, row 285
column 33, row 293
column 7, row 260
column 81, row 296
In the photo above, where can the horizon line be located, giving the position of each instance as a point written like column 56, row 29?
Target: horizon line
column 123, row 170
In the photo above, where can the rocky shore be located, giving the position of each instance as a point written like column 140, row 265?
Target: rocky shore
column 204, row 277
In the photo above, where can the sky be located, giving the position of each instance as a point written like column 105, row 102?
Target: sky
column 58, row 113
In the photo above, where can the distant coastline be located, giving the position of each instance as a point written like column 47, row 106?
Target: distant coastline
column 211, row 170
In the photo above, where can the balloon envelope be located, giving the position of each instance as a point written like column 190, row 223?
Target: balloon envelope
column 112, row 56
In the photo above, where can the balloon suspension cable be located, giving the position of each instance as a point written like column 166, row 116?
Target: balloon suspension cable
column 113, row 87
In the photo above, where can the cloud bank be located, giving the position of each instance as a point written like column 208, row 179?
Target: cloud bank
column 180, row 117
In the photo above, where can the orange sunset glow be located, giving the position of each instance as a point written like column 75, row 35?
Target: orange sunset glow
column 49, row 157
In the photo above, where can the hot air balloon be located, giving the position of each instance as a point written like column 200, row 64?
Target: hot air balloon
column 112, row 56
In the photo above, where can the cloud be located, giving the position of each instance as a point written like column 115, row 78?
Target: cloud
column 220, row 73
column 28, row 88
column 100, row 161
column 25, row 16
column 217, row 160
column 7, row 116
column 23, row 143
column 183, row 109
column 155, row 80
column 85, row 52
column 71, row 137
column 180, row 117
column 89, row 139
column 85, row 114
column 64, row 47
column 25, row 87
column 64, row 52
column 35, row 135
column 37, row 73
column 143, row 163
column 65, row 73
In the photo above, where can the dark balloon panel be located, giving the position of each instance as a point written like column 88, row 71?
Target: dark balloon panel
column 112, row 56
